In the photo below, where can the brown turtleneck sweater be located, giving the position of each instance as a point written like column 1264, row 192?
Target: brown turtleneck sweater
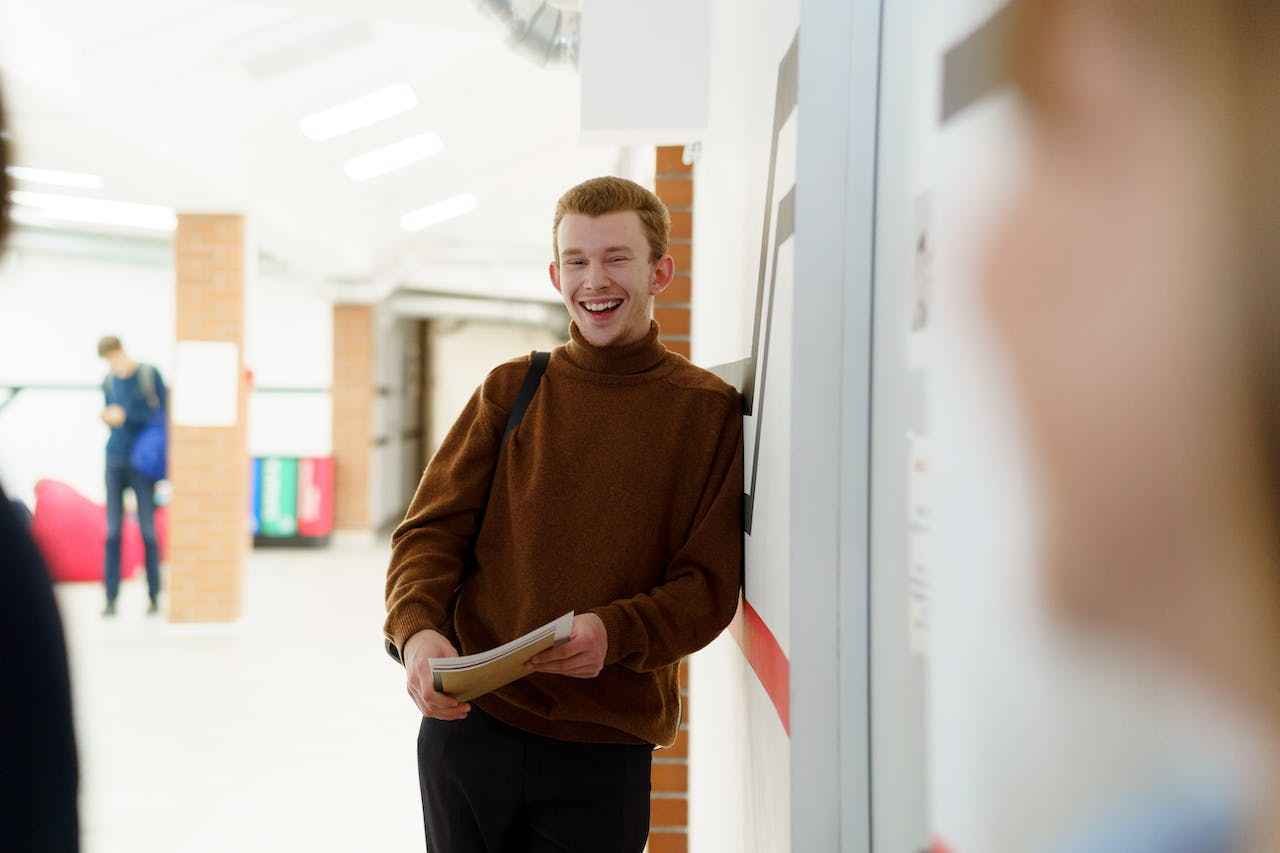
column 620, row 494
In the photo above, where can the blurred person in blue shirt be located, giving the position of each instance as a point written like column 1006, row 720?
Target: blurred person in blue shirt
column 136, row 401
column 1134, row 285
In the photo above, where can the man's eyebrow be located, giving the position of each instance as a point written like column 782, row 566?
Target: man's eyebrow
column 608, row 250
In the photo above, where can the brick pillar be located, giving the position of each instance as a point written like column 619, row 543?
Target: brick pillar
column 209, row 465
column 674, row 186
column 669, row 803
column 353, row 407
column 669, row 806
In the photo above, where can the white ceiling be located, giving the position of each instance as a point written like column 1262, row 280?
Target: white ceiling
column 195, row 104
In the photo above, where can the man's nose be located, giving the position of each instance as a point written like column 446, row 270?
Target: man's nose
column 596, row 278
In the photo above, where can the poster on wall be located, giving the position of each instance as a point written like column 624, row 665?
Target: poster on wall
column 206, row 384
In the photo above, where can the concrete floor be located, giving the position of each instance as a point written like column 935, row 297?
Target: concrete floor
column 290, row 730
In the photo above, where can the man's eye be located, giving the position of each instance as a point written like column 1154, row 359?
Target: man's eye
column 617, row 260
column 577, row 263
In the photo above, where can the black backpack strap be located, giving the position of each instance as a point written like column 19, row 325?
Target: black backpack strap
column 538, row 362
column 147, row 384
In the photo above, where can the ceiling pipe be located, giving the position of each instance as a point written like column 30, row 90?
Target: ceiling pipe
column 545, row 32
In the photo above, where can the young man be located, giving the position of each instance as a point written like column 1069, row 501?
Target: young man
column 135, row 395
column 619, row 496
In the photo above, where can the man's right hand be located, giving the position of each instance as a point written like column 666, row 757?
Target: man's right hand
column 418, row 651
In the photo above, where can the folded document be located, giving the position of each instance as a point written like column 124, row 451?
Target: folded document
column 466, row 678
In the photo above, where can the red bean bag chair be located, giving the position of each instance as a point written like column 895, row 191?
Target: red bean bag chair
column 71, row 531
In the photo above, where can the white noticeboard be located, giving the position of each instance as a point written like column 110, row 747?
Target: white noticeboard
column 206, row 384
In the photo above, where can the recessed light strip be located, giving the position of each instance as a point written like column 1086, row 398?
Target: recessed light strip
column 30, row 206
column 361, row 112
column 394, row 157
column 54, row 177
column 434, row 214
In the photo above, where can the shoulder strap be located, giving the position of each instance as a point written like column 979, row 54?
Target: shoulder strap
column 538, row 362
column 537, row 366
column 147, row 382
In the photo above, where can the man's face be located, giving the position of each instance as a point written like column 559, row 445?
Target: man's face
column 117, row 362
column 606, row 277
column 1107, row 286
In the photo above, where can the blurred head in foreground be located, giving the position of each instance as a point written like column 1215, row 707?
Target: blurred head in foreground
column 1134, row 285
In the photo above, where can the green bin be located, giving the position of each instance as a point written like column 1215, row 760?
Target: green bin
column 278, row 498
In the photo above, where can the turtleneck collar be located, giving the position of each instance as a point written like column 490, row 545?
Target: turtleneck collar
column 628, row 359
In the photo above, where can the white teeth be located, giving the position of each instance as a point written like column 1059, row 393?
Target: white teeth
column 597, row 307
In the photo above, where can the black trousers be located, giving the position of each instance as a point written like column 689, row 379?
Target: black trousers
column 490, row 788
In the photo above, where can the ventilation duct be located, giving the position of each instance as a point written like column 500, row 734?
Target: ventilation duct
column 547, row 33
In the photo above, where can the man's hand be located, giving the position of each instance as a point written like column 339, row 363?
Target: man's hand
column 421, row 647
column 582, row 656
column 113, row 416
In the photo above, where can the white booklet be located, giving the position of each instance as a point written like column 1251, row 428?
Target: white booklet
column 465, row 678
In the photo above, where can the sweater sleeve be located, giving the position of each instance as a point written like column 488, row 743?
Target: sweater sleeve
column 430, row 548
column 699, row 595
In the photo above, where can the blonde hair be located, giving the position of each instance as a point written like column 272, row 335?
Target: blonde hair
column 599, row 196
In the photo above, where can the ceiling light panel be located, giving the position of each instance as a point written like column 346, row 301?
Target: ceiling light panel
column 362, row 112
column 55, row 178
column 92, row 211
column 434, row 214
column 394, row 157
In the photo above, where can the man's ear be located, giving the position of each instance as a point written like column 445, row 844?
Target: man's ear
column 553, row 270
column 664, row 272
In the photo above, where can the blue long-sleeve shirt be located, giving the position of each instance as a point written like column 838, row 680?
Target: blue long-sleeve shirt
column 1194, row 820
column 128, row 394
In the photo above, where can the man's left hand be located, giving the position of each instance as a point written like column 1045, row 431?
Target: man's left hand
column 582, row 656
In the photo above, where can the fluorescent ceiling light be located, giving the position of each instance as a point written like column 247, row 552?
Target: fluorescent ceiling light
column 434, row 214
column 30, row 206
column 362, row 112
column 55, row 178
column 392, row 158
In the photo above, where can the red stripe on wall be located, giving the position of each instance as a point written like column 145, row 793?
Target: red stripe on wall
column 766, row 657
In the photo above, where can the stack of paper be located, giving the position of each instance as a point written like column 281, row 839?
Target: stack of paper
column 465, row 678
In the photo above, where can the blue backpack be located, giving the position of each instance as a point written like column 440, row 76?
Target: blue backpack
column 150, row 454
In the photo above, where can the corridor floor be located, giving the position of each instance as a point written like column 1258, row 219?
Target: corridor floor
column 290, row 730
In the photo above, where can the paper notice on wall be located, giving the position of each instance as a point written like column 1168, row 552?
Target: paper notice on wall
column 920, row 593
column 922, row 339
column 919, row 484
column 920, row 543
column 206, row 384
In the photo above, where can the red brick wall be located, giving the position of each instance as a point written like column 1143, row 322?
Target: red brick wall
column 675, row 187
column 353, row 394
column 209, row 466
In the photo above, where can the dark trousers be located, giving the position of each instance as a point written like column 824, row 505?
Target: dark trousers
column 490, row 788
column 119, row 477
